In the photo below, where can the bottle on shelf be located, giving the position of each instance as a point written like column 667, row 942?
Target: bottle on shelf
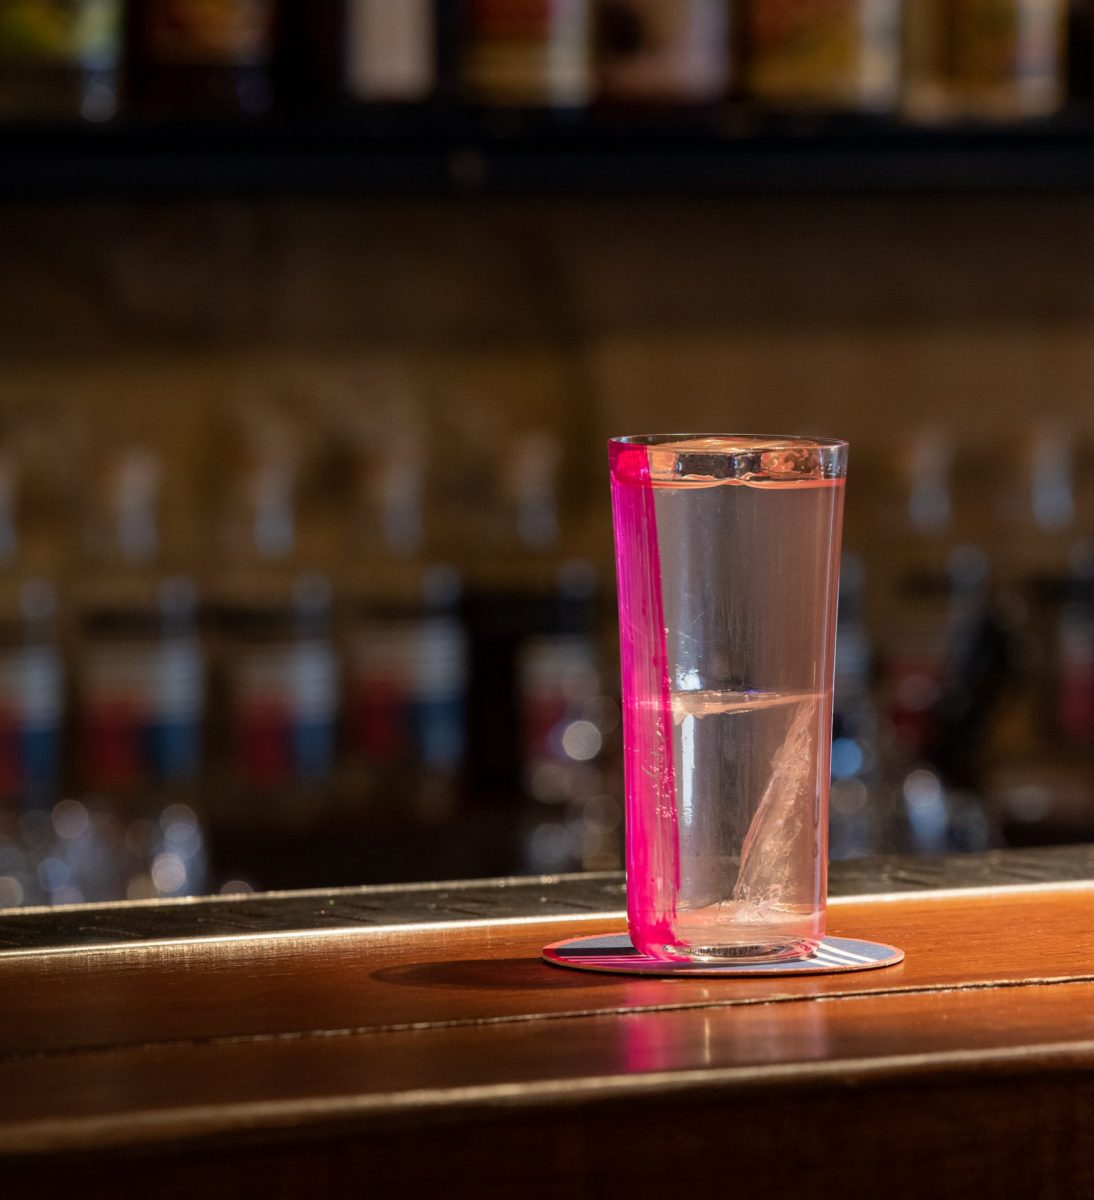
column 1079, row 70
column 364, row 52
column 140, row 707
column 391, row 50
column 662, row 52
column 277, row 695
column 949, row 657
column 405, row 647
column 528, row 53
column 987, row 59
column 31, row 704
column 914, row 634
column 1073, row 709
column 1040, row 747
column 541, row 724
column 200, row 58
column 822, row 55
column 861, row 816
column 60, row 59
column 1036, row 505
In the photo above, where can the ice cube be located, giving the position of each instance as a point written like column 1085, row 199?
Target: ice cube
column 780, row 831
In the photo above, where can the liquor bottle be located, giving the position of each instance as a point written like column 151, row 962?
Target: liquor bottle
column 1036, row 505
column 60, row 59
column 994, row 59
column 528, row 53
column 365, row 51
column 949, row 658
column 1039, row 749
column 140, row 687
column 564, row 718
column 277, row 668
column 405, row 650
column 662, row 52
column 31, row 737
column 913, row 643
column 1073, row 707
column 540, row 721
column 823, row 54
column 861, row 820
column 1070, row 702
column 1080, row 50
column 203, row 57
column 31, row 674
column 390, row 50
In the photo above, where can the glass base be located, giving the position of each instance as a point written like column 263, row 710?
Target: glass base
column 756, row 952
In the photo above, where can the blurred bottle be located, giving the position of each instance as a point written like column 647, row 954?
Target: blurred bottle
column 528, row 53
column 949, row 657
column 203, row 57
column 406, row 655
column 31, row 677
column 978, row 669
column 571, row 820
column 140, row 681
column 662, row 52
column 277, row 668
column 823, row 54
column 915, row 632
column 1080, row 49
column 994, row 59
column 391, row 50
column 1040, row 760
column 1073, row 709
column 540, row 721
column 1036, row 505
column 60, row 59
column 365, row 51
column 861, row 819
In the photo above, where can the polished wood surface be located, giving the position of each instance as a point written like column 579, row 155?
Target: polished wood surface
column 355, row 1044
column 385, row 978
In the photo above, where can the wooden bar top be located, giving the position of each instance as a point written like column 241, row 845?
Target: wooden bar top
column 445, row 1058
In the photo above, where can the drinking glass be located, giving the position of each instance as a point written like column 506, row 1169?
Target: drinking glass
column 727, row 558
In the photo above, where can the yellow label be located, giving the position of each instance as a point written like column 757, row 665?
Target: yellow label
column 530, row 51
column 76, row 31
column 824, row 49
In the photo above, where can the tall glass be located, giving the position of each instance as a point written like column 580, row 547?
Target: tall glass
column 727, row 556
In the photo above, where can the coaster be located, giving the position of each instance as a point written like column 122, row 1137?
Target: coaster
column 614, row 953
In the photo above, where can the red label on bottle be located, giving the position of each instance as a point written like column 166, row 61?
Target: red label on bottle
column 265, row 748
column 199, row 31
column 1075, row 697
column 11, row 765
column 914, row 684
column 512, row 18
column 112, row 750
column 378, row 723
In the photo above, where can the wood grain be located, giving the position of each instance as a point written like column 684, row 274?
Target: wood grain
column 393, row 978
column 132, row 1095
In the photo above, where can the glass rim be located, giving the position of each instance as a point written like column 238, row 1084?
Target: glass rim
column 750, row 442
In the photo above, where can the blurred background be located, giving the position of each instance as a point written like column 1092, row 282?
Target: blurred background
column 315, row 318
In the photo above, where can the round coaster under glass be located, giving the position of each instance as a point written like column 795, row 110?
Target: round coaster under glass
column 614, row 953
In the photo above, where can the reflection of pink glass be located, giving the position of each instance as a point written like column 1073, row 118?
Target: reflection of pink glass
column 726, row 552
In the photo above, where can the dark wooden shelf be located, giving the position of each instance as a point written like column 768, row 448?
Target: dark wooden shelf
column 456, row 151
